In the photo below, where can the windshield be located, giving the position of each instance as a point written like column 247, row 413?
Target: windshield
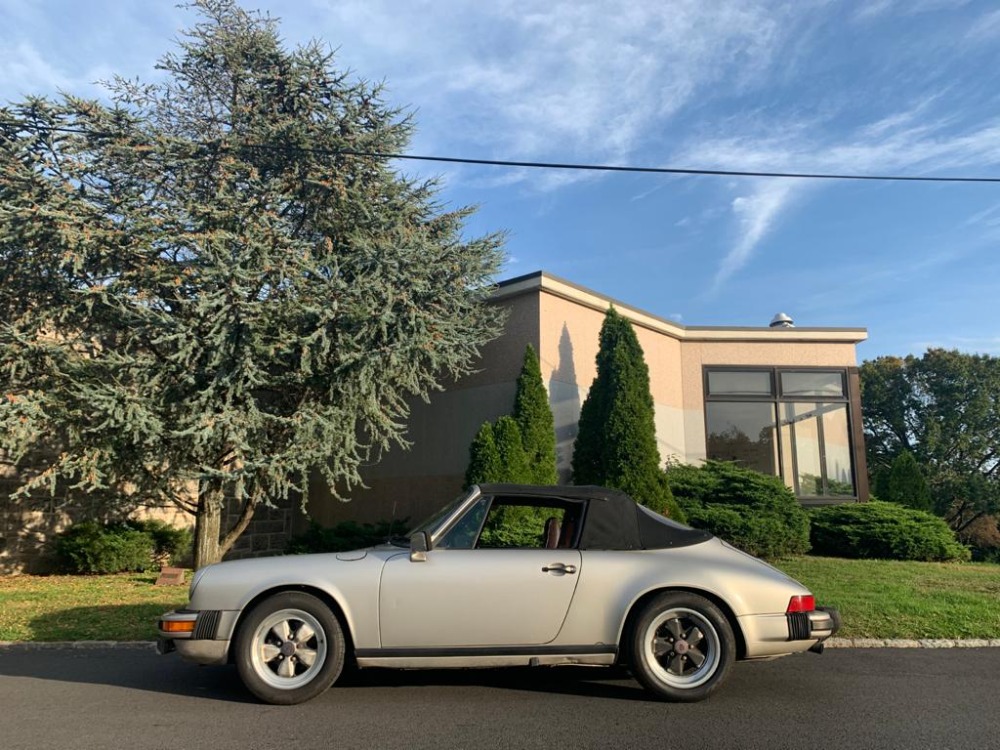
column 435, row 520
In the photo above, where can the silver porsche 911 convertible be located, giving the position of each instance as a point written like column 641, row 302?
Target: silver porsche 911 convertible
column 506, row 575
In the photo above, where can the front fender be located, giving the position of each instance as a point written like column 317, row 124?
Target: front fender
column 351, row 582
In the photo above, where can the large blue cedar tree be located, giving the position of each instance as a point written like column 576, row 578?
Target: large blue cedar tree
column 202, row 296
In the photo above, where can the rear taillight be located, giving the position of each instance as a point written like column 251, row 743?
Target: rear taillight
column 801, row 603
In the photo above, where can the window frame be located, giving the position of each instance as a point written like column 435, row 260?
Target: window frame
column 848, row 397
column 578, row 508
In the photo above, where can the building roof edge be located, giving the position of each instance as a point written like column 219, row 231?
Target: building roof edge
column 551, row 284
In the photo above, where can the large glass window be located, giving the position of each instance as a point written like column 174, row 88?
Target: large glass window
column 816, row 451
column 799, row 430
column 742, row 431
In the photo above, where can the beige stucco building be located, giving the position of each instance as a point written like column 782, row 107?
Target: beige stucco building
column 783, row 400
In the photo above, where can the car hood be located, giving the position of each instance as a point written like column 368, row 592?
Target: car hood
column 230, row 584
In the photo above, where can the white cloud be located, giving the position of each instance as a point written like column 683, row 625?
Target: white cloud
column 756, row 214
column 904, row 142
column 989, row 217
column 569, row 79
column 24, row 70
column 871, row 9
column 974, row 344
column 985, row 28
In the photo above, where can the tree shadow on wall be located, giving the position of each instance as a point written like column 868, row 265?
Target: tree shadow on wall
column 564, row 399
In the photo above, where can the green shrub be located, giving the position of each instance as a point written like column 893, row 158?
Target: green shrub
column 753, row 511
column 170, row 543
column 520, row 449
column 883, row 530
column 484, row 458
column 344, row 537
column 89, row 547
column 516, row 526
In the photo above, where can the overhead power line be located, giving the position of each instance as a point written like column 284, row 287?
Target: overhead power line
column 691, row 171
column 672, row 170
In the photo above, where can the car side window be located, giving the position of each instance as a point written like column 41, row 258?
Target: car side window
column 464, row 533
column 516, row 524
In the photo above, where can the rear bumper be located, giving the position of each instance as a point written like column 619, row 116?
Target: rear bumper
column 819, row 624
column 794, row 632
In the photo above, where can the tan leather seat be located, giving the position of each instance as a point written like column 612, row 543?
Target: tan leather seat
column 552, row 533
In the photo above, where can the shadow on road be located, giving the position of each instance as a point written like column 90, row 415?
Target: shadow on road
column 593, row 682
column 131, row 667
column 138, row 667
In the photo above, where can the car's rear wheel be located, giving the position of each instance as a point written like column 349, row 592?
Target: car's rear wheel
column 290, row 648
column 682, row 646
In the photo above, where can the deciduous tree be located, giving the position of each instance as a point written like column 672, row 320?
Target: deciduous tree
column 944, row 408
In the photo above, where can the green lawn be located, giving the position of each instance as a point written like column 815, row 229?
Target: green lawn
column 84, row 608
column 890, row 599
column 878, row 599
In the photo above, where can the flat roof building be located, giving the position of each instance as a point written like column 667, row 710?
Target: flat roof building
column 780, row 399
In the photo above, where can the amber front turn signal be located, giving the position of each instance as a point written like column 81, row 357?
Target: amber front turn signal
column 177, row 626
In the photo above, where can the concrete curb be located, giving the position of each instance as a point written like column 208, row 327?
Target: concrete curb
column 76, row 645
column 913, row 643
column 830, row 643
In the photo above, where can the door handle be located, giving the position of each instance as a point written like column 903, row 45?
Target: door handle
column 559, row 568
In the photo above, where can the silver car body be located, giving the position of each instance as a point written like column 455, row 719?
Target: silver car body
column 498, row 607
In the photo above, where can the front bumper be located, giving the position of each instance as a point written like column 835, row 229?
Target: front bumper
column 194, row 635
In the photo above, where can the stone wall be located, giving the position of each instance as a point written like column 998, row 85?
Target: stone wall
column 267, row 533
column 28, row 526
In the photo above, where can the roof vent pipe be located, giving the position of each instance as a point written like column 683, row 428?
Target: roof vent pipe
column 782, row 321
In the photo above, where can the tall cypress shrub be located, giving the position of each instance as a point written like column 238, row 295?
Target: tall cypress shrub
column 534, row 418
column 513, row 462
column 484, row 458
column 616, row 442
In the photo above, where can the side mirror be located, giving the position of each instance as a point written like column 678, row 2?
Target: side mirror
column 418, row 547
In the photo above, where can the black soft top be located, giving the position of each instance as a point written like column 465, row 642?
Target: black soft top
column 612, row 520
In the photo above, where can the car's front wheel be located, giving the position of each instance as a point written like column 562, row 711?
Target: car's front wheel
column 290, row 648
column 682, row 646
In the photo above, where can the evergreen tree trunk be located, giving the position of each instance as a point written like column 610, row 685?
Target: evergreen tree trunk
column 207, row 527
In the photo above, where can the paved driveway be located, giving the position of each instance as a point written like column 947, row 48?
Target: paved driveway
column 886, row 698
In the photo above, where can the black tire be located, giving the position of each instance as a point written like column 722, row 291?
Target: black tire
column 290, row 648
column 681, row 647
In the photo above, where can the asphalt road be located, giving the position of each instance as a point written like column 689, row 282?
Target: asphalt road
column 864, row 698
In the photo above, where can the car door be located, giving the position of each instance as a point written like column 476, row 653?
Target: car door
column 477, row 597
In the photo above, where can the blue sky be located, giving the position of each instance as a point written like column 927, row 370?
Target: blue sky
column 884, row 86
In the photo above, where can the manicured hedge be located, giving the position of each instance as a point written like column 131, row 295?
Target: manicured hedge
column 753, row 511
column 883, row 530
